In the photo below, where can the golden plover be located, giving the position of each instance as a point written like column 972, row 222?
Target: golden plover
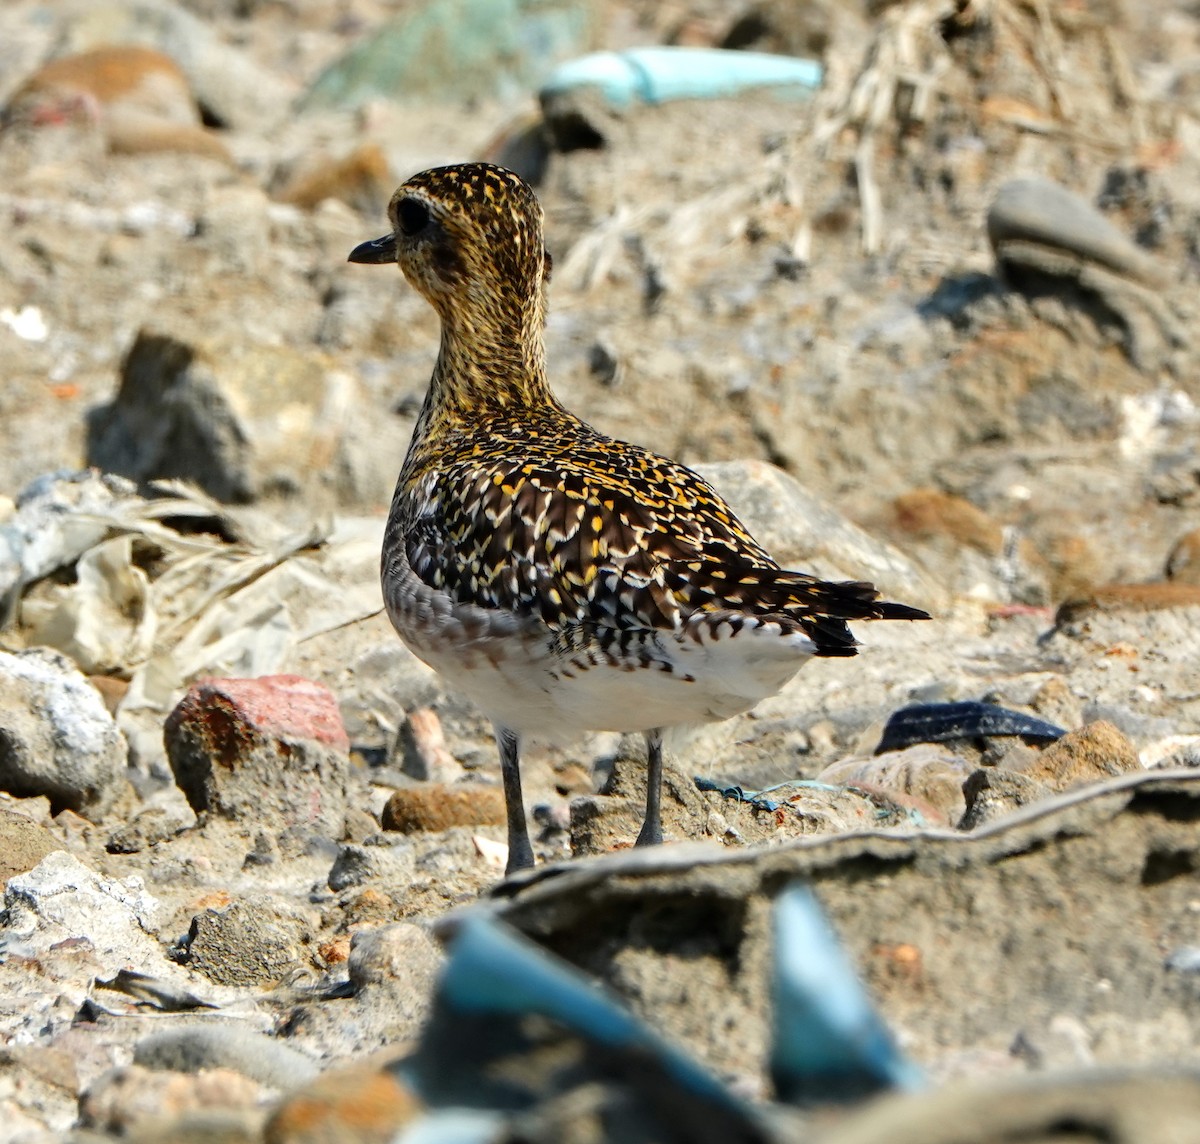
column 564, row 580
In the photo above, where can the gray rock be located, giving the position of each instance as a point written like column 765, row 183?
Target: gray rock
column 247, row 943
column 400, row 955
column 1042, row 213
column 61, row 899
column 993, row 793
column 1113, row 1105
column 56, row 736
column 197, row 1047
column 240, row 420
column 386, row 863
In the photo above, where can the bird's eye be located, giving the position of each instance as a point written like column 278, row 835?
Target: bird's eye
column 412, row 217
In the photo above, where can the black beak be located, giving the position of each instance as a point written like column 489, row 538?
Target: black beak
column 375, row 253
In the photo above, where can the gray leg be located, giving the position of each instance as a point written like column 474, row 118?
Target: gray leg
column 520, row 853
column 651, row 833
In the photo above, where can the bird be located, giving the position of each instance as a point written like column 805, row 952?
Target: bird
column 565, row 580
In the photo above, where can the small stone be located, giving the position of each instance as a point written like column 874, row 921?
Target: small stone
column 358, row 1104
column 382, row 863
column 402, row 954
column 267, row 753
column 23, row 844
column 241, row 420
column 1093, row 753
column 435, row 806
column 246, row 944
column 195, row 1048
column 122, row 1098
column 1036, row 212
column 56, row 736
column 993, row 793
column 422, row 747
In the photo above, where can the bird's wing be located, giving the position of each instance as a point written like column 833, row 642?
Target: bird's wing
column 612, row 535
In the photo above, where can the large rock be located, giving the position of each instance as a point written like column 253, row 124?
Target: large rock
column 243, row 421
column 56, row 736
column 269, row 753
column 1073, row 905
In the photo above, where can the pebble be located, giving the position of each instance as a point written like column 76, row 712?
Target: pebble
column 247, row 944
column 356, row 1104
column 1042, row 213
column 385, row 862
column 56, row 736
column 436, row 806
column 23, row 844
column 121, row 1098
column 268, row 753
column 993, row 793
column 225, row 400
column 199, row 1047
column 61, row 900
column 421, row 745
column 400, row 954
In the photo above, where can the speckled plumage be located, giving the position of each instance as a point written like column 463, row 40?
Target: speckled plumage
column 565, row 580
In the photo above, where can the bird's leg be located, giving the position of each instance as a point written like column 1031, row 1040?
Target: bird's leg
column 520, row 853
column 651, row 832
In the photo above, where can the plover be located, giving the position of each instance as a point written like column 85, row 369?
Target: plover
column 564, row 580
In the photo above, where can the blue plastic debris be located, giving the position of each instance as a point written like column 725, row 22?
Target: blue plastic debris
column 829, row 1043
column 514, row 1026
column 481, row 1050
column 657, row 75
column 757, row 797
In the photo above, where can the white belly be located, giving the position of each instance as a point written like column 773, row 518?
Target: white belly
column 529, row 681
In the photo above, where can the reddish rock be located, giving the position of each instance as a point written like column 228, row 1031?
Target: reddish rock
column 1093, row 753
column 359, row 1104
column 1130, row 597
column 270, row 753
column 435, row 806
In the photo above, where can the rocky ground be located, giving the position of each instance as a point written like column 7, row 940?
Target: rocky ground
column 932, row 326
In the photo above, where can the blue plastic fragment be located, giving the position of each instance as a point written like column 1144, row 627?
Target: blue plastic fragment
column 658, row 75
column 829, row 1043
column 493, row 970
column 454, row 1126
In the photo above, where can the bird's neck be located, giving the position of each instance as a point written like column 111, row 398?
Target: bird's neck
column 487, row 367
